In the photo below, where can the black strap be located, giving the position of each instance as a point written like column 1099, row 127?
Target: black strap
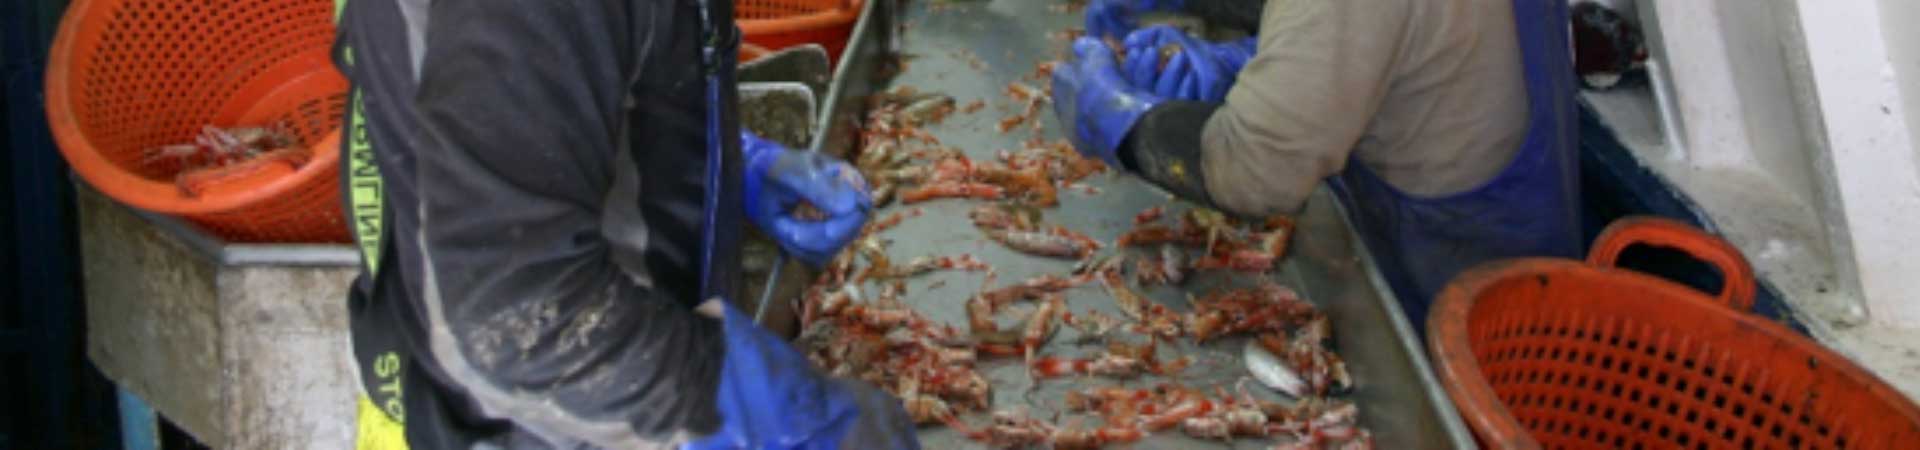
column 1241, row 15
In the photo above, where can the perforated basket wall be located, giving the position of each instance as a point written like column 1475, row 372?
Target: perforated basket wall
column 1564, row 354
column 777, row 24
column 127, row 76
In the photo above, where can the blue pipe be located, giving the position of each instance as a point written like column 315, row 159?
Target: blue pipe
column 139, row 426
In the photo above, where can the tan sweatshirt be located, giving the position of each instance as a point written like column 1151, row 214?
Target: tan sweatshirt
column 1428, row 94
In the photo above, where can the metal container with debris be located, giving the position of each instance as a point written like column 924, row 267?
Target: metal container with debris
column 971, row 51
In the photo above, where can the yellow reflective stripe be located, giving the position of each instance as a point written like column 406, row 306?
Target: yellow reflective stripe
column 387, row 369
column 364, row 186
column 375, row 431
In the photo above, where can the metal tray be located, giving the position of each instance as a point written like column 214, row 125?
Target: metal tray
column 971, row 50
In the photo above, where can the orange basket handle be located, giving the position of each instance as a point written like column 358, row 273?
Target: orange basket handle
column 1737, row 289
column 749, row 51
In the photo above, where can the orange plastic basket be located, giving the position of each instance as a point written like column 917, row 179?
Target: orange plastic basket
column 1559, row 354
column 127, row 76
column 778, row 24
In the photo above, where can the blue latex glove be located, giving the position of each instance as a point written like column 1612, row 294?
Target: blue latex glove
column 1115, row 18
column 1198, row 70
column 1091, row 97
column 778, row 179
column 771, row 398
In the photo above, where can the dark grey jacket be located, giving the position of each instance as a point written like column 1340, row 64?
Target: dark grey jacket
column 527, row 182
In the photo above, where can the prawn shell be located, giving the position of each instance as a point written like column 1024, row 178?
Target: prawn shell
column 882, row 194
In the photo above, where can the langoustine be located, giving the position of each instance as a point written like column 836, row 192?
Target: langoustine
column 1169, row 268
column 1150, row 318
column 1119, row 361
column 1008, row 429
column 1223, row 243
column 1031, row 98
column 922, row 265
column 1093, row 325
column 940, row 359
column 1073, row 437
column 1048, row 244
column 1149, row 215
column 1031, row 184
column 1032, row 288
column 1031, row 331
column 1019, row 229
column 972, row 190
column 1267, row 307
column 216, row 147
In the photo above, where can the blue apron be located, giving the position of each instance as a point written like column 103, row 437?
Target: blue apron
column 1529, row 209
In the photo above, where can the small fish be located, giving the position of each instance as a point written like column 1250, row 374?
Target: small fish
column 1271, row 372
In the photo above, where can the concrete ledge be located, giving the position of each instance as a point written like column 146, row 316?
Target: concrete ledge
column 251, row 355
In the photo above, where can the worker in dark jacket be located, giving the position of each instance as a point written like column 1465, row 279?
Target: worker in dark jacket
column 1446, row 126
column 547, row 205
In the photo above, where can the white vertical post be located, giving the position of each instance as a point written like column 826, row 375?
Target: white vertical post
column 1695, row 79
column 1876, row 167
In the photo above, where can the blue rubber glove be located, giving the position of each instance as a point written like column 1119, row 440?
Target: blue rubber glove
column 1091, row 97
column 771, row 398
column 1115, row 18
column 778, row 179
column 1197, row 70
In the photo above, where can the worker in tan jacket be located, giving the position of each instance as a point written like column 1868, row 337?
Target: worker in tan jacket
column 1446, row 126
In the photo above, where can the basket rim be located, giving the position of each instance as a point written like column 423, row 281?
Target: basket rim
column 1490, row 418
column 845, row 14
column 122, row 185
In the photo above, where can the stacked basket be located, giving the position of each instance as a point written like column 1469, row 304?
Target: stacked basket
column 775, row 24
column 130, row 76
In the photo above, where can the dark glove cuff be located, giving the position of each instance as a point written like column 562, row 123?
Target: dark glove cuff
column 1241, row 15
column 1164, row 148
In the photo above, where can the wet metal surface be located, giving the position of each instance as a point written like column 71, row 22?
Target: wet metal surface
column 972, row 50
